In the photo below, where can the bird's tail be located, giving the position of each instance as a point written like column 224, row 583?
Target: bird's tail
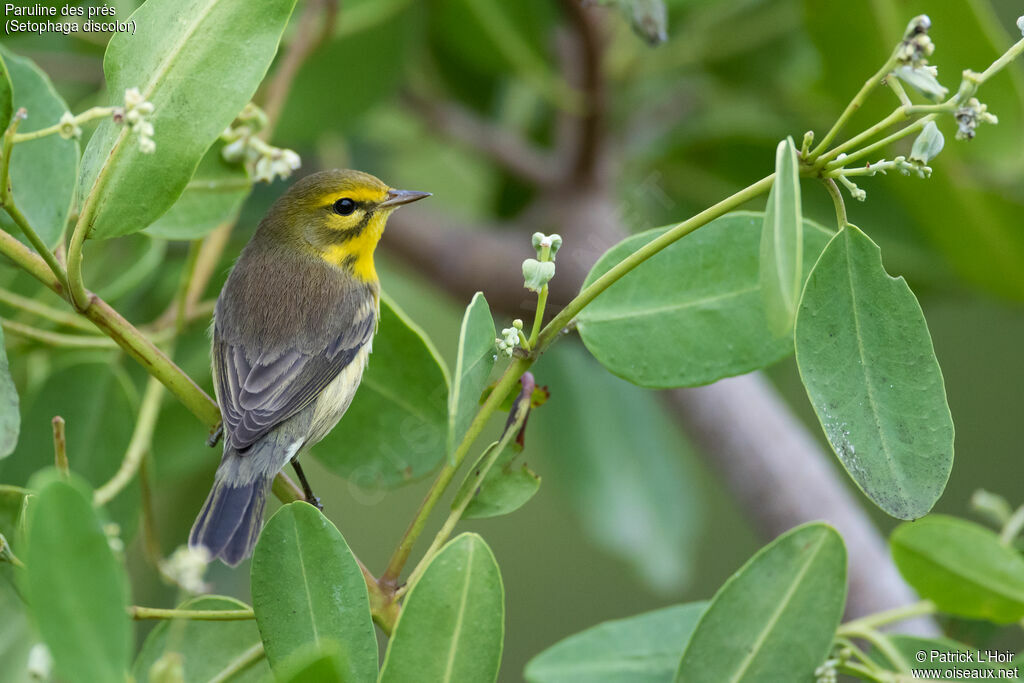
column 232, row 516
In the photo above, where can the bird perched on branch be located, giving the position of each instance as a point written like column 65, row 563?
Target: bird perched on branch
column 292, row 332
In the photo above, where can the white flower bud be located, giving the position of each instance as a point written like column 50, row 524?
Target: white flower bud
column 186, row 567
column 928, row 144
column 40, row 663
column 68, row 128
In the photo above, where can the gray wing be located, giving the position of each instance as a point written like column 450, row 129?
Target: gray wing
column 259, row 391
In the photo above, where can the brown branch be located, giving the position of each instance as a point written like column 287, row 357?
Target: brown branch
column 584, row 71
column 302, row 44
column 500, row 145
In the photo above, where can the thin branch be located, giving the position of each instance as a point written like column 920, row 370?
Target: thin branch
column 71, row 341
column 60, row 445
column 502, row 146
column 141, row 441
column 140, row 613
column 240, row 663
column 312, row 31
column 65, row 318
column 590, row 138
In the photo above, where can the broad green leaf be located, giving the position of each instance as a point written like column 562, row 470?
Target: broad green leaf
column 774, row 619
column 178, row 50
column 6, row 96
column 324, row 664
column 452, row 624
column 206, row 648
column 641, row 649
column 394, row 431
column 77, row 590
column 962, row 567
column 10, row 418
column 782, row 244
column 866, row 360
column 307, row 589
column 43, row 171
column 506, row 487
column 99, row 415
column 636, row 490
column 473, row 365
column 934, row 649
column 214, row 195
column 694, row 312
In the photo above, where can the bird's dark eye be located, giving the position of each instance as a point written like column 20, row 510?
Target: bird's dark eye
column 344, row 206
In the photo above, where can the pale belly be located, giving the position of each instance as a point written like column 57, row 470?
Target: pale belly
column 335, row 398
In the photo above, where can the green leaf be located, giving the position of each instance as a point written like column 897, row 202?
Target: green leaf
column 214, row 195
column 176, row 53
column 77, row 590
column 866, row 360
column 506, row 486
column 452, row 624
column 934, row 648
column 641, row 649
column 394, row 431
column 324, row 664
column 473, row 365
column 207, row 648
column 99, row 414
column 962, row 567
column 43, row 171
column 683, row 318
column 782, row 244
column 6, row 96
column 307, row 589
column 12, row 500
column 636, row 490
column 774, row 620
column 10, row 417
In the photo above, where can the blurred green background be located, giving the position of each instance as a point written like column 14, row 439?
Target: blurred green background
column 629, row 517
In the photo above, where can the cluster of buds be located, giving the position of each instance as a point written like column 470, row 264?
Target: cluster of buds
column 510, row 338
column 829, row 671
column 913, row 53
column 539, row 271
column 969, row 116
column 267, row 162
column 186, row 567
column 113, row 532
column 134, row 114
column 917, row 46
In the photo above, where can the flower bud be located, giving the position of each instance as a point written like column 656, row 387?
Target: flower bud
column 536, row 274
column 928, row 144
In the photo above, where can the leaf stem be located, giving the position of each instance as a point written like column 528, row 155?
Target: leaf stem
column 459, row 507
column 141, row 441
column 1012, row 528
column 240, row 663
column 60, row 446
column 565, row 316
column 389, row 580
column 74, row 341
column 837, row 200
column 140, row 613
column 84, row 117
column 872, row 621
column 41, row 310
column 865, row 151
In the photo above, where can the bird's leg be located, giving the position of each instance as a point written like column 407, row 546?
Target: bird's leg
column 306, row 490
column 215, row 436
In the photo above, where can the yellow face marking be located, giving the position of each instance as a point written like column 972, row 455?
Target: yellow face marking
column 358, row 251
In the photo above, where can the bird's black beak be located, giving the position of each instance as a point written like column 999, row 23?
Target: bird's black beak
column 399, row 197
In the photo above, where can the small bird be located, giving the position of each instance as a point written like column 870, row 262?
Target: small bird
column 292, row 332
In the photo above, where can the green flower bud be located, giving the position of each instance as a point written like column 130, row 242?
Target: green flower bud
column 928, row 144
column 536, row 274
column 924, row 79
